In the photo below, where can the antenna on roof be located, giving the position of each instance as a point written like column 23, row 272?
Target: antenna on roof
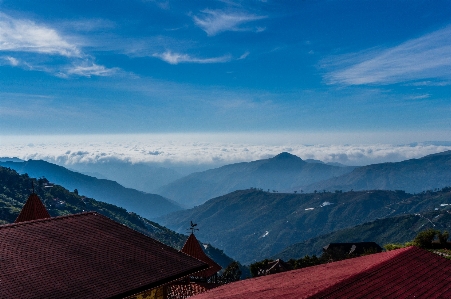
column 193, row 227
column 32, row 185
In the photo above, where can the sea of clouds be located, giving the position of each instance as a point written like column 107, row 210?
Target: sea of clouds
column 204, row 149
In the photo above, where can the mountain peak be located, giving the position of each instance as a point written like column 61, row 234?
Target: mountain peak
column 286, row 155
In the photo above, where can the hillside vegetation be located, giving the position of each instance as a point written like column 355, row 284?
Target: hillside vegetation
column 251, row 225
column 15, row 189
column 145, row 204
column 398, row 229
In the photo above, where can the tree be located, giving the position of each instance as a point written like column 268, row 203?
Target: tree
column 307, row 261
column 443, row 237
column 424, row 239
column 255, row 267
column 231, row 273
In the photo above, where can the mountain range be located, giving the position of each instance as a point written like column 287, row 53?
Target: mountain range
column 284, row 172
column 256, row 223
column 414, row 175
column 251, row 224
column 144, row 204
column 289, row 173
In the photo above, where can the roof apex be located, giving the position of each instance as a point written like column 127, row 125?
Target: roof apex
column 193, row 248
column 33, row 209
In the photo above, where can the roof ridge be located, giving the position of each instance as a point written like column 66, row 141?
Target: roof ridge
column 49, row 219
column 370, row 271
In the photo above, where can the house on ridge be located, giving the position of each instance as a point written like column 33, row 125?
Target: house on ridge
column 339, row 251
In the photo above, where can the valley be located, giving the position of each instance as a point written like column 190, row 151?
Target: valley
column 275, row 207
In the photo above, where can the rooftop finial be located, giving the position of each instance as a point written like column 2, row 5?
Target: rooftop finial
column 193, row 227
column 32, row 185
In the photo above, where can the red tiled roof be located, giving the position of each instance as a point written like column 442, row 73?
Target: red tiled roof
column 32, row 210
column 404, row 273
column 192, row 248
column 84, row 256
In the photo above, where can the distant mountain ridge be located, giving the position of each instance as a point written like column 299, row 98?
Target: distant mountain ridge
column 144, row 204
column 284, row 172
column 252, row 225
column 414, row 175
column 140, row 176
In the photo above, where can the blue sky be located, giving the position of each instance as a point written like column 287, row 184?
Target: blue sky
column 313, row 66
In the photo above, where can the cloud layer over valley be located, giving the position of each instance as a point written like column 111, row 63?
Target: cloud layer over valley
column 202, row 149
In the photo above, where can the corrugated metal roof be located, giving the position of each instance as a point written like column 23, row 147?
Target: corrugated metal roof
column 404, row 273
column 33, row 209
column 192, row 248
column 84, row 256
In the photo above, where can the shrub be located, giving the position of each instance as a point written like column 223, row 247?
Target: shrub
column 443, row 237
column 393, row 246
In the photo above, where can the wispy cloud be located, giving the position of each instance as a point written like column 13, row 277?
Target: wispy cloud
column 27, row 36
column 89, row 69
column 217, row 21
column 11, row 60
column 176, row 58
column 20, row 35
column 419, row 97
column 245, row 54
column 426, row 57
column 88, row 25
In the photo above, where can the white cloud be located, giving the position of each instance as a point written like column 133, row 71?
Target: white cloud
column 176, row 58
column 89, row 69
column 27, row 36
column 426, row 57
column 11, row 60
column 87, row 25
column 217, row 21
column 207, row 149
column 245, row 54
column 18, row 35
column 420, row 97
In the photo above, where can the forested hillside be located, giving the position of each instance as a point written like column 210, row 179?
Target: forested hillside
column 252, row 224
column 147, row 205
column 15, row 189
column 398, row 229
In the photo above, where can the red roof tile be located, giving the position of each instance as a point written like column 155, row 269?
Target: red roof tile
column 84, row 256
column 32, row 210
column 192, row 248
column 403, row 273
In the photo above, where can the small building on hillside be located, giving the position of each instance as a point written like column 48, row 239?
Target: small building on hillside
column 272, row 267
column 408, row 272
column 85, row 256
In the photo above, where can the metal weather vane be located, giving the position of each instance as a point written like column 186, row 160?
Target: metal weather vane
column 193, row 227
